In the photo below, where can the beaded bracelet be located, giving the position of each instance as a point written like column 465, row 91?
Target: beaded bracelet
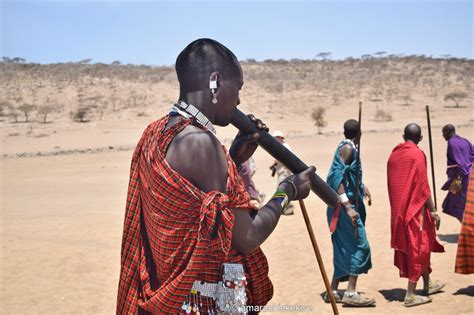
column 281, row 197
column 292, row 185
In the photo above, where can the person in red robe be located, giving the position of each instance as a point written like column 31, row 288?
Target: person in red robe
column 188, row 215
column 413, row 216
column 465, row 253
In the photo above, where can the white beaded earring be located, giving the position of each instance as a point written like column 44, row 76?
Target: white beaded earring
column 213, row 87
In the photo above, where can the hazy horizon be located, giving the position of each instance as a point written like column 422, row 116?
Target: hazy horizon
column 154, row 32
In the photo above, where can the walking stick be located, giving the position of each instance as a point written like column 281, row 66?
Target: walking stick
column 294, row 164
column 318, row 257
column 358, row 167
column 431, row 155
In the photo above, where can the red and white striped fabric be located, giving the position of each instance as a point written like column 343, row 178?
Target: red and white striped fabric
column 168, row 238
column 465, row 253
column 409, row 191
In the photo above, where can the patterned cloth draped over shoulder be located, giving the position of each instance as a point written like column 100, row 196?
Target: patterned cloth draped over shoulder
column 465, row 253
column 174, row 233
column 351, row 254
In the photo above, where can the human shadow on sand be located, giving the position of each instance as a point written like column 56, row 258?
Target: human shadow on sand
column 394, row 295
column 450, row 238
column 469, row 291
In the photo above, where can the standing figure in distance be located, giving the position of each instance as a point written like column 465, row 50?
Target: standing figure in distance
column 351, row 248
column 460, row 156
column 413, row 216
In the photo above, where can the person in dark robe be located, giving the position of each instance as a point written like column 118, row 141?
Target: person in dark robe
column 460, row 157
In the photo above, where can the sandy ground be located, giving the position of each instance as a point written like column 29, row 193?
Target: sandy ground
column 62, row 217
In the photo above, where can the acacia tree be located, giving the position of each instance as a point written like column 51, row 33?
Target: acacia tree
column 318, row 117
column 45, row 110
column 456, row 97
column 85, row 61
column 324, row 55
column 14, row 113
column 4, row 105
column 26, row 109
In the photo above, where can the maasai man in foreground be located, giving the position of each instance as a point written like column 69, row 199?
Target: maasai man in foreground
column 465, row 254
column 460, row 158
column 188, row 216
column 349, row 239
column 413, row 216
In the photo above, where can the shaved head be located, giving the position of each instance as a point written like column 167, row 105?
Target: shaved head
column 412, row 133
column 351, row 129
column 448, row 131
column 199, row 59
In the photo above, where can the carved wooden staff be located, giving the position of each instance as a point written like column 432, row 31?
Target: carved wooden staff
column 431, row 155
column 358, row 166
column 294, row 164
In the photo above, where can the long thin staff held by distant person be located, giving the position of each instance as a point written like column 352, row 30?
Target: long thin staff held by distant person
column 431, row 155
column 358, row 166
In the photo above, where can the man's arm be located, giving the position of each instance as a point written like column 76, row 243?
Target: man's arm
column 434, row 215
column 345, row 153
column 198, row 156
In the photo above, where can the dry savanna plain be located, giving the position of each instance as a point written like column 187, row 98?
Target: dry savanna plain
column 68, row 132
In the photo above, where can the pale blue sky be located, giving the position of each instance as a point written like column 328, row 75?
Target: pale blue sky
column 154, row 32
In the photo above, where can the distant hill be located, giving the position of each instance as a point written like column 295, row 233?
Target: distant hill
column 283, row 87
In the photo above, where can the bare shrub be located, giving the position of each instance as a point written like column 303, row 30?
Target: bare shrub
column 45, row 110
column 26, row 109
column 81, row 113
column 4, row 106
column 318, row 116
column 13, row 113
column 382, row 115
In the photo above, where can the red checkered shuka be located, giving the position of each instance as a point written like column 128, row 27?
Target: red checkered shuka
column 174, row 233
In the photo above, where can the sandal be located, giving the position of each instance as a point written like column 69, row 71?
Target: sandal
column 416, row 300
column 434, row 287
column 357, row 300
column 337, row 297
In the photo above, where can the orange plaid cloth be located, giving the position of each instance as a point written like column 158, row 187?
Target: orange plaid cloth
column 465, row 254
column 174, row 233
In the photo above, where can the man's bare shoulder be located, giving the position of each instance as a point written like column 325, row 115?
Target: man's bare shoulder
column 192, row 143
column 345, row 152
column 192, row 152
column 347, row 147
